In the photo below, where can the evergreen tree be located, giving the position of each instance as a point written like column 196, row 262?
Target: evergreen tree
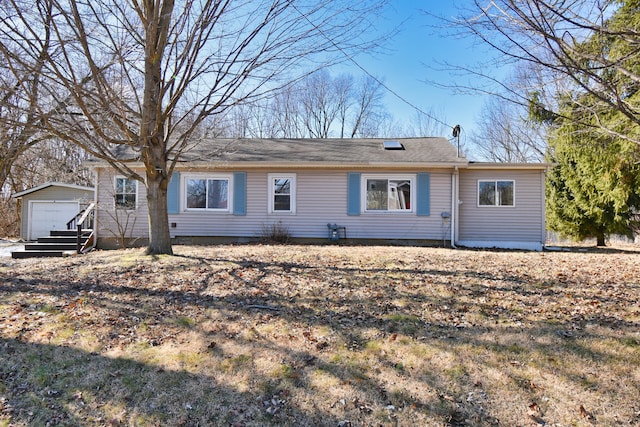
column 594, row 190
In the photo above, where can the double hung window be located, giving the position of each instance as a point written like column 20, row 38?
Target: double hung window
column 282, row 193
column 126, row 193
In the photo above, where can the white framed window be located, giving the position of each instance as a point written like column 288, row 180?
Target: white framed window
column 496, row 193
column 392, row 193
column 207, row 192
column 282, row 193
column 126, row 193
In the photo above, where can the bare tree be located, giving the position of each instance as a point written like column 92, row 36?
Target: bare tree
column 133, row 80
column 253, row 120
column 323, row 99
column 318, row 106
column 428, row 122
column 19, row 123
column 505, row 135
column 28, row 154
column 287, row 113
column 579, row 47
column 344, row 92
column 369, row 114
column 262, row 121
column 50, row 160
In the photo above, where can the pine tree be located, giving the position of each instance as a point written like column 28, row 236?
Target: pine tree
column 594, row 189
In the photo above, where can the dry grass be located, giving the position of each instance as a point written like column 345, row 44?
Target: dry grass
column 321, row 336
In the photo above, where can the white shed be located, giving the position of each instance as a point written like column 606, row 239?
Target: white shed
column 49, row 207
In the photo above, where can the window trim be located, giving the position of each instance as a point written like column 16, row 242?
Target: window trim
column 495, row 181
column 115, row 194
column 185, row 177
column 388, row 177
column 271, row 193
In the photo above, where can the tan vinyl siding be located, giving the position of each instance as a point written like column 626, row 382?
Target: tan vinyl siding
column 386, row 225
column 523, row 222
column 110, row 220
column 321, row 198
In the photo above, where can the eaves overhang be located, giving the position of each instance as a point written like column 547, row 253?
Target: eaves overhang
column 50, row 184
column 511, row 166
column 306, row 165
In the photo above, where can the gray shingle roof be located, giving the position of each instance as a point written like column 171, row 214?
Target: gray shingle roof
column 51, row 184
column 324, row 151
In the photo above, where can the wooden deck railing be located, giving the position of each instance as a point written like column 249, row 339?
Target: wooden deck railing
column 83, row 220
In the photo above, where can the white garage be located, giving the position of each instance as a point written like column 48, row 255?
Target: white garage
column 46, row 216
column 49, row 207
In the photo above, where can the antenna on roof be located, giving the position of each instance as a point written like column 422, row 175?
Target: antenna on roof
column 456, row 134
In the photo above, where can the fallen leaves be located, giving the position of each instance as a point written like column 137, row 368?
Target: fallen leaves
column 584, row 414
column 339, row 324
column 535, row 414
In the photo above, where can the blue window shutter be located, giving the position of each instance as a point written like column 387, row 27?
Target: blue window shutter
column 423, row 193
column 239, row 193
column 173, row 193
column 353, row 193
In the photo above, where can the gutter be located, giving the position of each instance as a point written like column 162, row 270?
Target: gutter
column 512, row 166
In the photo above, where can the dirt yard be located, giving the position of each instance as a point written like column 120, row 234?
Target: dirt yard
column 261, row 335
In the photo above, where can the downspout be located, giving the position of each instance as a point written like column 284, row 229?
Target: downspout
column 96, row 191
column 454, row 206
column 543, row 209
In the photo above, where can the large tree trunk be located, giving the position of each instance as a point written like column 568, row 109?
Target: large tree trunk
column 157, row 181
column 600, row 239
column 152, row 128
column 159, row 237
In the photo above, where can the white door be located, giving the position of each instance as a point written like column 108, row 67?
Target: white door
column 45, row 216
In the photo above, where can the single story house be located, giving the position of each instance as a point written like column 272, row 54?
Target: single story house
column 49, row 207
column 411, row 190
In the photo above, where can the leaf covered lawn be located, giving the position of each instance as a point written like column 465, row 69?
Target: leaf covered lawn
column 260, row 335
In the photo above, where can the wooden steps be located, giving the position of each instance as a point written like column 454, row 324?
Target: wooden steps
column 59, row 243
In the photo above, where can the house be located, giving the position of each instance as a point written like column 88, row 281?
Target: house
column 413, row 190
column 48, row 207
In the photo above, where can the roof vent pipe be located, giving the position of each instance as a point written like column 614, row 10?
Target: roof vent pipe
column 456, row 134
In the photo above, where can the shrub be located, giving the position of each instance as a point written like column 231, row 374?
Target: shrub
column 276, row 233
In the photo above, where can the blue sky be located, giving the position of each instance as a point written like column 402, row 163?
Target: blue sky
column 411, row 59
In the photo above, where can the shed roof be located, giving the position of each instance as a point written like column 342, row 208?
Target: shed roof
column 50, row 184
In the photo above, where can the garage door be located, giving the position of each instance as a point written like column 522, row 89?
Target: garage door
column 45, row 216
